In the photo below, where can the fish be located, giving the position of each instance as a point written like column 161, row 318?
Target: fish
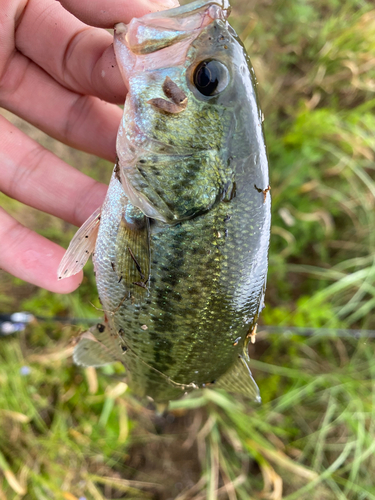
column 180, row 245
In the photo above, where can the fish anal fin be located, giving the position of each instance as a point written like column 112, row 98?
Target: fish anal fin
column 239, row 380
column 81, row 247
column 97, row 347
column 133, row 257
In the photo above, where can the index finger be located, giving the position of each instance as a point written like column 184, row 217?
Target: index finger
column 78, row 56
column 106, row 13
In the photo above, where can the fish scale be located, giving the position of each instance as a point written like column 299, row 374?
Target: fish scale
column 182, row 302
column 182, row 242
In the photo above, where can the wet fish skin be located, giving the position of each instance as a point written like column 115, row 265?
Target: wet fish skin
column 196, row 177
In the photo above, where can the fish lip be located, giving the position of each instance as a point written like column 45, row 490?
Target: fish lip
column 120, row 28
column 175, row 19
column 189, row 9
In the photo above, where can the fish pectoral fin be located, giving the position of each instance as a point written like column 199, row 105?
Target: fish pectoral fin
column 81, row 247
column 133, row 257
column 239, row 380
column 97, row 347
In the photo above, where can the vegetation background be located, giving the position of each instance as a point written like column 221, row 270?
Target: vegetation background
column 68, row 433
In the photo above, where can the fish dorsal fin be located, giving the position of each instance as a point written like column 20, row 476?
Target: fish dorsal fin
column 239, row 380
column 81, row 247
column 133, row 257
column 98, row 347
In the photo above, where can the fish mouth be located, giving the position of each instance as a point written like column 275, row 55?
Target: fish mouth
column 158, row 30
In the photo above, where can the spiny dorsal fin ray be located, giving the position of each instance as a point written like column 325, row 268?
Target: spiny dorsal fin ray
column 98, row 347
column 133, row 257
column 81, row 247
column 239, row 380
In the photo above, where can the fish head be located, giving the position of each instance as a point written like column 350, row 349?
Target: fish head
column 160, row 40
column 191, row 89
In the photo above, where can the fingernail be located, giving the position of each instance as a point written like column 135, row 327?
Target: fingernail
column 167, row 4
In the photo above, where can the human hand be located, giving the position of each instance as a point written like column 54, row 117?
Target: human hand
column 60, row 75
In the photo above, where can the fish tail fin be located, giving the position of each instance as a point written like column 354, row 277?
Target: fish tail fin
column 239, row 379
column 81, row 247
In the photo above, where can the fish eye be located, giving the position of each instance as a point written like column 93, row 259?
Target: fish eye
column 210, row 77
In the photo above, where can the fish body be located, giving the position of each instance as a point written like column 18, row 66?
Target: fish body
column 182, row 238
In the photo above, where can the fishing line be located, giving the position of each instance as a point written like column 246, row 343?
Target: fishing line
column 17, row 322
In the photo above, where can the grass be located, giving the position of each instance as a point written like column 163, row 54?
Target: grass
column 68, row 433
